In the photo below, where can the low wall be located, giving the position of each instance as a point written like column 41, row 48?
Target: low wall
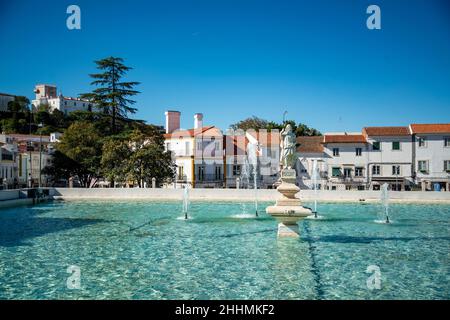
column 241, row 194
column 9, row 194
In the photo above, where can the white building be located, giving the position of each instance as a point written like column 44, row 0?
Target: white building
column 47, row 95
column 8, row 165
column 389, row 159
column 310, row 149
column 197, row 152
column 267, row 149
column 431, row 157
column 345, row 158
column 27, row 162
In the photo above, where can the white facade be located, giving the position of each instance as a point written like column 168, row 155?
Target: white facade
column 197, row 153
column 432, row 160
column 8, row 166
column 304, row 168
column 46, row 94
column 390, row 157
column 345, row 164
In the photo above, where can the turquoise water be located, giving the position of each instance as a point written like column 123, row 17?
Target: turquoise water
column 140, row 250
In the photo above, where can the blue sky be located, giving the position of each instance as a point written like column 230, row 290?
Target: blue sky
column 237, row 58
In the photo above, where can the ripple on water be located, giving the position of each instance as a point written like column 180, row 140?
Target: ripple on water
column 138, row 250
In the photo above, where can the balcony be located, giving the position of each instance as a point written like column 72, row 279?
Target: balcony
column 347, row 179
column 182, row 153
column 209, row 178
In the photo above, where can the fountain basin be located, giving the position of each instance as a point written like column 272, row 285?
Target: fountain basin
column 288, row 218
column 288, row 210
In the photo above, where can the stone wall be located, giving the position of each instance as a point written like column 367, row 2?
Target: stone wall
column 241, row 195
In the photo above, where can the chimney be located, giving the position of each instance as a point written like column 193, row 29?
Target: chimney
column 172, row 121
column 198, row 120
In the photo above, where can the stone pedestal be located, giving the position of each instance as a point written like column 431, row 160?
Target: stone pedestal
column 288, row 209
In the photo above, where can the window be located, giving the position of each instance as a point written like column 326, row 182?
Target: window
column 187, row 147
column 168, row 146
column 201, row 173
column 361, row 188
column 421, row 141
column 236, row 170
column 336, row 172
column 180, row 172
column 395, row 170
column 333, row 187
column 336, row 152
column 375, row 145
column 217, row 146
column 446, row 141
column 422, row 165
column 347, row 172
column 348, row 188
column 199, row 145
column 376, row 170
column 358, row 152
column 447, row 165
column 358, row 172
column 396, row 145
column 218, row 172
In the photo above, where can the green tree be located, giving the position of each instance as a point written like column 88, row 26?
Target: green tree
column 139, row 158
column 251, row 123
column 78, row 154
column 256, row 123
column 114, row 162
column 112, row 95
column 18, row 105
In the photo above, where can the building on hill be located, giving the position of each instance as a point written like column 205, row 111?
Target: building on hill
column 47, row 95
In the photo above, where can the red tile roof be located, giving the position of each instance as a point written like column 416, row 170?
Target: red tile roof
column 386, row 131
column 344, row 138
column 430, row 128
column 310, row 144
column 207, row 131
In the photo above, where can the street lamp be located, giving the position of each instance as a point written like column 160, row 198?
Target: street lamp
column 284, row 116
column 40, row 125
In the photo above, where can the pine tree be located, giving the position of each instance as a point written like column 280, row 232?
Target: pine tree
column 112, row 95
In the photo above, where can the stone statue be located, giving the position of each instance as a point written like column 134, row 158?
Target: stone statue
column 288, row 147
column 288, row 209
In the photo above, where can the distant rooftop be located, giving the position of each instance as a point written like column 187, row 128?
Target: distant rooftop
column 386, row 131
column 430, row 128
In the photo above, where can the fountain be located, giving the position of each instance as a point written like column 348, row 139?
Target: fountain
column 314, row 181
column 249, row 169
column 385, row 203
column 288, row 209
column 252, row 150
column 186, row 201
